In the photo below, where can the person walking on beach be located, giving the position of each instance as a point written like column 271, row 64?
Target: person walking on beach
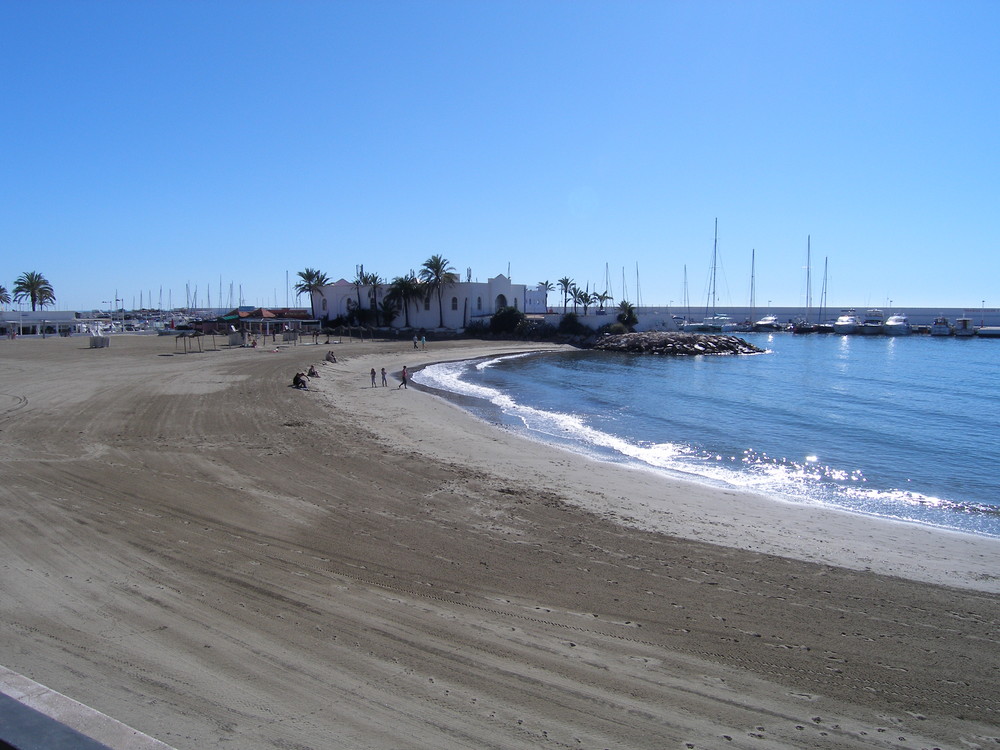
column 402, row 382
column 415, row 341
column 373, row 377
column 385, row 382
column 423, row 342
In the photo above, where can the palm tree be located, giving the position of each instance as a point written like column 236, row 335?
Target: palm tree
column 626, row 314
column 565, row 284
column 546, row 286
column 404, row 291
column 32, row 285
column 360, row 280
column 578, row 296
column 312, row 282
column 4, row 296
column 437, row 274
column 603, row 298
column 373, row 281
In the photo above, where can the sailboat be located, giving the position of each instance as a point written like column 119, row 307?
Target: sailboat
column 712, row 322
column 822, row 327
column 802, row 325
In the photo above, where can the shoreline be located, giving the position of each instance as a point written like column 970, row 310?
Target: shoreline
column 811, row 533
column 210, row 556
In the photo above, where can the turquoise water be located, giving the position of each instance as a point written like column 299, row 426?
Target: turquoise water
column 902, row 428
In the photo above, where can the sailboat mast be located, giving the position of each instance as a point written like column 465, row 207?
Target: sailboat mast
column 822, row 295
column 753, row 301
column 710, row 307
column 687, row 299
column 808, row 276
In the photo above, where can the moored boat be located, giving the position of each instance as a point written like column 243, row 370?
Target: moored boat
column 897, row 325
column 964, row 328
column 872, row 322
column 767, row 323
column 718, row 323
column 847, row 322
column 942, row 327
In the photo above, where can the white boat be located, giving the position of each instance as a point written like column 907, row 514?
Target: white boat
column 942, row 327
column 897, row 325
column 768, row 323
column 964, row 327
column 872, row 323
column 718, row 323
column 847, row 322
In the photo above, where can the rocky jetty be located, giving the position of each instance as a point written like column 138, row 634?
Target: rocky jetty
column 675, row 342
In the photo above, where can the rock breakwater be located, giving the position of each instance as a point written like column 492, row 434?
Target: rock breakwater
column 675, row 342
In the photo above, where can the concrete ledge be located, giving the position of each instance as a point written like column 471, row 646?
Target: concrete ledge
column 33, row 717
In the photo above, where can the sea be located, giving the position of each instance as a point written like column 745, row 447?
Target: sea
column 901, row 428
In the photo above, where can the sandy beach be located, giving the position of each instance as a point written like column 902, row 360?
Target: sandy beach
column 198, row 550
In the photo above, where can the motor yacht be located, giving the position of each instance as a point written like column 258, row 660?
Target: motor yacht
column 897, row 325
column 847, row 322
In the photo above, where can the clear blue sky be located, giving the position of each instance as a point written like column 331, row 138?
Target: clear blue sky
column 176, row 145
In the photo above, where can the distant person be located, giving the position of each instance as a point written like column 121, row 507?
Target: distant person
column 300, row 381
column 385, row 382
column 313, row 373
column 415, row 341
column 402, row 382
column 373, row 377
column 423, row 342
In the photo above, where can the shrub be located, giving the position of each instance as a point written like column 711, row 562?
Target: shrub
column 506, row 320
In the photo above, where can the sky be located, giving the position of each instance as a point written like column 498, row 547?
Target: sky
column 206, row 152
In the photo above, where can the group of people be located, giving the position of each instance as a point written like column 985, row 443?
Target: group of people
column 403, row 377
column 301, row 379
column 385, row 380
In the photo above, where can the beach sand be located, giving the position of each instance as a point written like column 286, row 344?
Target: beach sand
column 196, row 549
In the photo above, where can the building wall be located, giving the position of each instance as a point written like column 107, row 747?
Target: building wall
column 461, row 303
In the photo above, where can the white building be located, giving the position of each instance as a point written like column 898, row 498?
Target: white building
column 461, row 303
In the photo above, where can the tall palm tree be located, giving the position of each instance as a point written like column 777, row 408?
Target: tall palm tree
column 360, row 280
column 4, row 296
column 32, row 285
column 437, row 273
column 546, row 286
column 579, row 297
column 373, row 281
column 312, row 282
column 405, row 291
column 565, row 284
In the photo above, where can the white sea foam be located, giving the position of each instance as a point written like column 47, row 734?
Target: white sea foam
column 806, row 479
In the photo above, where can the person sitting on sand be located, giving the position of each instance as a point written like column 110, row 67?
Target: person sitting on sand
column 313, row 373
column 300, row 381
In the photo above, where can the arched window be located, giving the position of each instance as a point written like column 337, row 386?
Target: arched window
column 324, row 303
column 501, row 301
column 479, row 303
column 454, row 303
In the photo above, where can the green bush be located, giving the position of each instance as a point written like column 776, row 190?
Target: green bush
column 506, row 320
column 570, row 325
